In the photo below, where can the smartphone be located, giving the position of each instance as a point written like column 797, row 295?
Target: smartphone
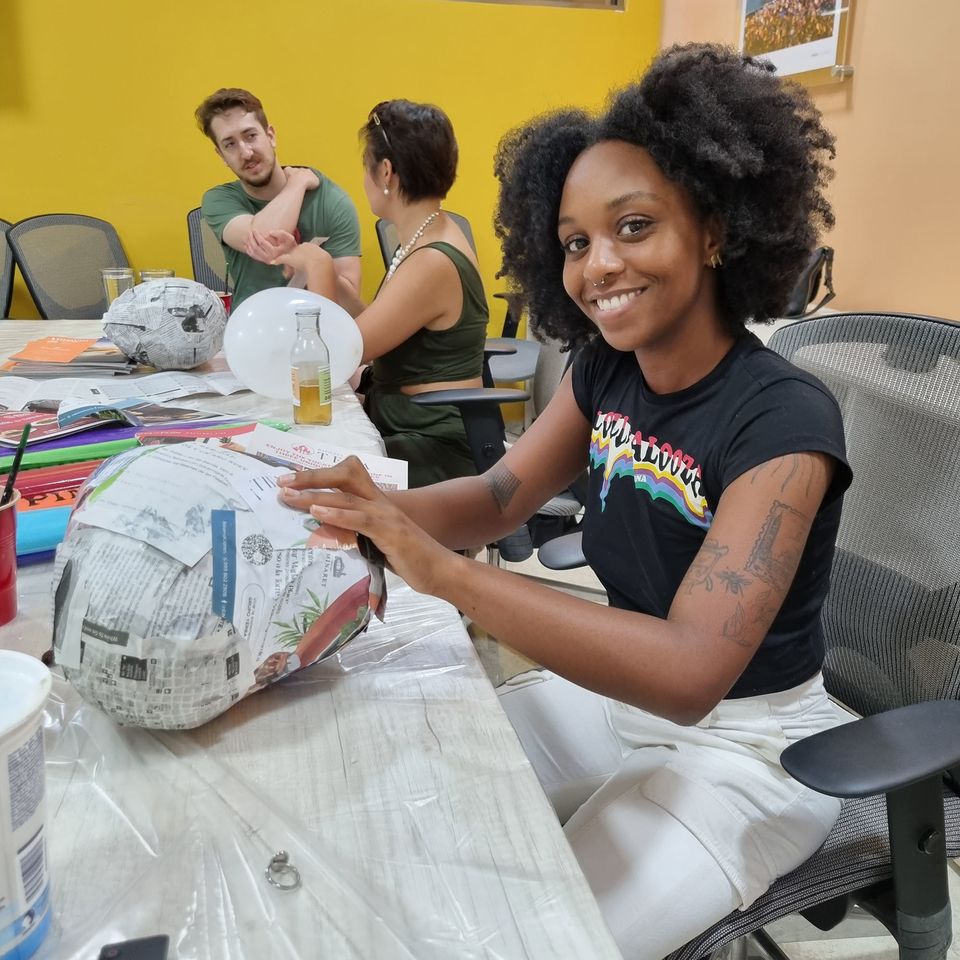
column 144, row 948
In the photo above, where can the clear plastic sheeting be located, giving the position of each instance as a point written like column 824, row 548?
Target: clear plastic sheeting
column 388, row 774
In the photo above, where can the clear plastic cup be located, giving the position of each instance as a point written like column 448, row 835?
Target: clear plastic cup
column 158, row 274
column 116, row 280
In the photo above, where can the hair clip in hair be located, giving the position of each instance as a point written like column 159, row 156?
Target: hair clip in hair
column 379, row 126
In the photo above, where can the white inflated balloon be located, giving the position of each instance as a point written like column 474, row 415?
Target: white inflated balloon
column 261, row 332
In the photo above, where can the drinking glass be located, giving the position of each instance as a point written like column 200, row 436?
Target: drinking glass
column 115, row 281
column 159, row 274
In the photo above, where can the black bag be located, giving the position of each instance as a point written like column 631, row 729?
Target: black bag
column 819, row 269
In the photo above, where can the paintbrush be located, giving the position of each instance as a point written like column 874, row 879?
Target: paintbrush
column 15, row 466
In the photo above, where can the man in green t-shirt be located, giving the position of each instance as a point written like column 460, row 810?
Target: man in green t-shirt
column 266, row 196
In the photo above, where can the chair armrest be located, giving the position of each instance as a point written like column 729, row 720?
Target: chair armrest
column 511, row 321
column 470, row 396
column 881, row 753
column 499, row 346
column 563, row 553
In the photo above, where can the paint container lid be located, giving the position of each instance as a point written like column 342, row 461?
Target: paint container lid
column 24, row 685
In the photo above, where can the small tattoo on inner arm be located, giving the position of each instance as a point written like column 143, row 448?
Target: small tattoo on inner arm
column 502, row 485
column 765, row 610
column 735, row 626
column 707, row 558
column 733, row 581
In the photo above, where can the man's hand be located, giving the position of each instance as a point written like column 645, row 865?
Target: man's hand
column 304, row 175
column 265, row 247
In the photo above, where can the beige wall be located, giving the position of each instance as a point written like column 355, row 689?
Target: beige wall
column 897, row 121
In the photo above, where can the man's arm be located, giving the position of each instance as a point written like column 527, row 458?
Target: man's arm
column 281, row 213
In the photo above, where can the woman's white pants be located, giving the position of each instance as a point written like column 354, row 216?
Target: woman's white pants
column 674, row 827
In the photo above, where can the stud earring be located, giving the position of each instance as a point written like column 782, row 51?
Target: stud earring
column 716, row 260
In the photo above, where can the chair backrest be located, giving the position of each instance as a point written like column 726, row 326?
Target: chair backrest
column 389, row 241
column 6, row 271
column 891, row 620
column 551, row 366
column 206, row 253
column 60, row 256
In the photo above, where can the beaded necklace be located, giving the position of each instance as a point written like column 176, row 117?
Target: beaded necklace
column 402, row 252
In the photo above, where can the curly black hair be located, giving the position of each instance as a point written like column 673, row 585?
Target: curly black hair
column 749, row 149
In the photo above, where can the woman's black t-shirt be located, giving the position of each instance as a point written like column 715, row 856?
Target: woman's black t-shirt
column 659, row 463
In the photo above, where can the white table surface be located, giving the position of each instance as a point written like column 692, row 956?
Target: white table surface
column 390, row 775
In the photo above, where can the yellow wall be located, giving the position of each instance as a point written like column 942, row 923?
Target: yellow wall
column 896, row 194
column 97, row 98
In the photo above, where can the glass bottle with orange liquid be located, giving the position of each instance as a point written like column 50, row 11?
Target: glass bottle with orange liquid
column 310, row 372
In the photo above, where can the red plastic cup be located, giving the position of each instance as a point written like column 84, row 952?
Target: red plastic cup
column 227, row 299
column 8, row 559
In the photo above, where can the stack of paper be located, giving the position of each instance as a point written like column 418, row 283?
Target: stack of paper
column 71, row 356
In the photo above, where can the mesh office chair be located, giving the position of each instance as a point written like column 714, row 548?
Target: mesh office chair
column 6, row 271
column 891, row 626
column 517, row 360
column 60, row 256
column 206, row 254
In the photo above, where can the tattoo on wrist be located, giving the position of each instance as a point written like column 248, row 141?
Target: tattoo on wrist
column 502, row 485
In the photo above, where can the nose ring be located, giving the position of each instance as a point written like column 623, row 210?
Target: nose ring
column 603, row 280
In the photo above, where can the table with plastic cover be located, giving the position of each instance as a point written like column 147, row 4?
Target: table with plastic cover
column 389, row 775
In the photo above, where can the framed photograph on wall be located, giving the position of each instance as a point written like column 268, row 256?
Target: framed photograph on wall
column 801, row 38
column 598, row 4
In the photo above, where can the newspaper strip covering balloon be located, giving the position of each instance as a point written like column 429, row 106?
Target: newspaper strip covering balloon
column 173, row 324
column 184, row 584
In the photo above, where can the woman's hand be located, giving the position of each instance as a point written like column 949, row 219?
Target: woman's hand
column 344, row 496
column 314, row 264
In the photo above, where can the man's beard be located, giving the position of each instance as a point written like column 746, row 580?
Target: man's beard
column 259, row 181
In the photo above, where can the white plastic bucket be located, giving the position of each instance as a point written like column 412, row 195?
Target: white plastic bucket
column 24, row 883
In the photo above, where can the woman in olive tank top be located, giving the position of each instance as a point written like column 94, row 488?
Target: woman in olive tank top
column 426, row 327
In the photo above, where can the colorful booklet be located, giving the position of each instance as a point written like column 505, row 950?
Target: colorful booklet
column 174, row 433
column 45, row 425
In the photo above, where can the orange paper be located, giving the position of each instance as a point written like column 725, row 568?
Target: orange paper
column 54, row 349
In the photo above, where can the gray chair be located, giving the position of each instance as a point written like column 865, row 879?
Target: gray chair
column 206, row 254
column 60, row 256
column 891, row 626
column 6, row 271
column 517, row 362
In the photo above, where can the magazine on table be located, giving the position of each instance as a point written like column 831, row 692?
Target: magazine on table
column 20, row 393
column 55, row 356
column 44, row 424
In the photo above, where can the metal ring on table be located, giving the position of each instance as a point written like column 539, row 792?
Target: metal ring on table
column 281, row 873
